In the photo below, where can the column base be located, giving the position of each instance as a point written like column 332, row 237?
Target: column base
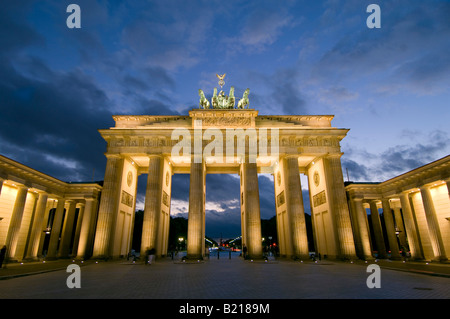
column 101, row 257
column 50, row 258
column 193, row 257
column 395, row 258
column 31, row 259
column 441, row 260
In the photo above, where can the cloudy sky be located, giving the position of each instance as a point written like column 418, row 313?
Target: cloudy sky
column 389, row 86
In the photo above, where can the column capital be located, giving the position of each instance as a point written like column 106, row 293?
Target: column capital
column 425, row 186
column 405, row 193
column 108, row 156
column 20, row 186
column 59, row 198
column 288, row 156
column 357, row 198
column 333, row 155
column 155, row 155
column 89, row 198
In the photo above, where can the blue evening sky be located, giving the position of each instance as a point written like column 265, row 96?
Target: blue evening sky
column 389, row 86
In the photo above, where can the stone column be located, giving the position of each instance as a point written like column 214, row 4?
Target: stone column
column 377, row 230
column 433, row 224
column 1, row 184
column 411, row 230
column 152, row 208
column 338, row 205
column 295, row 208
column 86, row 226
column 78, row 223
column 448, row 186
column 361, row 221
column 37, row 227
column 196, row 217
column 66, row 236
column 56, row 230
column 390, row 228
column 12, row 237
column 252, row 213
column 400, row 228
column 108, row 207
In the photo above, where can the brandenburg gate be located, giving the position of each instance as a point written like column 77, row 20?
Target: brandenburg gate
column 221, row 138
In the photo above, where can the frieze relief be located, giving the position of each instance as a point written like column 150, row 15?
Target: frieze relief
column 284, row 141
column 227, row 121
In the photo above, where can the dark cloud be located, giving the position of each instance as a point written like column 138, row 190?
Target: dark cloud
column 279, row 93
column 14, row 34
column 356, row 171
column 364, row 166
column 402, row 158
column 408, row 51
column 266, row 197
column 57, row 117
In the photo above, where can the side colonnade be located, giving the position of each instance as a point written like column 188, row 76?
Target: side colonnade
column 43, row 217
column 415, row 210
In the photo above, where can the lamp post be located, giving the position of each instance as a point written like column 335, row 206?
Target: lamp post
column 181, row 239
column 270, row 245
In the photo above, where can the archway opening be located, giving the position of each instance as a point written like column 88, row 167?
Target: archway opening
column 222, row 215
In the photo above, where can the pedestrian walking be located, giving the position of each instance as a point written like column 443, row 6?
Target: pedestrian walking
column 244, row 251
column 151, row 255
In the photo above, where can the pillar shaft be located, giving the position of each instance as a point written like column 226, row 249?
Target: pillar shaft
column 86, row 226
column 56, row 230
column 1, row 185
column 252, row 213
column 196, row 217
column 295, row 208
column 433, row 224
column 377, row 230
column 108, row 207
column 448, row 186
column 361, row 219
column 78, row 222
column 37, row 227
column 411, row 230
column 66, row 236
column 152, row 208
column 400, row 228
column 390, row 229
column 339, row 207
column 12, row 237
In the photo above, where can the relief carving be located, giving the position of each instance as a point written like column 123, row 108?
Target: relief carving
column 319, row 199
column 127, row 199
column 280, row 199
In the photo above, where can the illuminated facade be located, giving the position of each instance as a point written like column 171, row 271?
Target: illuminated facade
column 416, row 212
column 218, row 141
column 41, row 216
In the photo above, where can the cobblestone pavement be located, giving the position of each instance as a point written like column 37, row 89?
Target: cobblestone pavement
column 226, row 279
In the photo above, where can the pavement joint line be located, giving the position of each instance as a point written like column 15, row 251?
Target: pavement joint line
column 37, row 272
column 410, row 270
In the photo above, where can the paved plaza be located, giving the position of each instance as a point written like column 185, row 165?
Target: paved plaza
column 226, row 278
